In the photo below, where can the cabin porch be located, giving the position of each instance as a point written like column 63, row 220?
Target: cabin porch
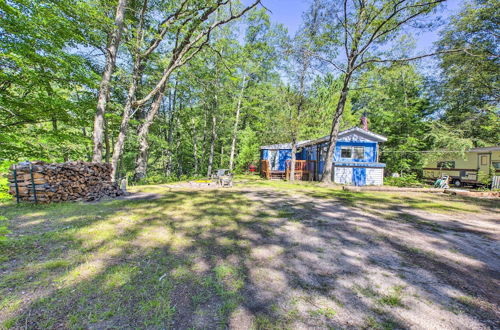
column 304, row 170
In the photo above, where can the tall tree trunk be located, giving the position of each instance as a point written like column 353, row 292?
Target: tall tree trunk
column 195, row 147
column 131, row 96
column 204, row 141
column 142, row 158
column 212, row 145
column 172, row 103
column 292, row 160
column 127, row 112
column 106, row 140
column 235, row 129
column 339, row 111
column 111, row 51
column 221, row 163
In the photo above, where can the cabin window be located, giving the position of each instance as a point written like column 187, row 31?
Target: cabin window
column 447, row 164
column 352, row 152
column 345, row 152
column 496, row 165
column 359, row 152
column 484, row 160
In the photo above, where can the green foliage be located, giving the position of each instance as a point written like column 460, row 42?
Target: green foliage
column 51, row 58
column 3, row 229
column 395, row 107
column 486, row 177
column 468, row 88
column 4, row 189
column 407, row 180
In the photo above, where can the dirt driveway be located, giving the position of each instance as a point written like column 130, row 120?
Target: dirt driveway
column 395, row 268
column 256, row 256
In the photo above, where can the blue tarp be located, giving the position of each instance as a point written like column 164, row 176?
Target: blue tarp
column 282, row 156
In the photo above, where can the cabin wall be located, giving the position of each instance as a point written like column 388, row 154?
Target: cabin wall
column 374, row 176
column 370, row 151
column 279, row 162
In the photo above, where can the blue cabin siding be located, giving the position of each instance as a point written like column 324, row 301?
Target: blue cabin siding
column 351, row 170
column 370, row 154
column 283, row 156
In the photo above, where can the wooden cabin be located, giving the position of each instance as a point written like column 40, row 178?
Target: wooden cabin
column 355, row 160
column 466, row 170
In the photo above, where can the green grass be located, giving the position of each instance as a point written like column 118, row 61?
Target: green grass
column 326, row 312
column 146, row 263
column 392, row 299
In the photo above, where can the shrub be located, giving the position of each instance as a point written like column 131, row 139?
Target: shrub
column 3, row 229
column 408, row 180
column 4, row 189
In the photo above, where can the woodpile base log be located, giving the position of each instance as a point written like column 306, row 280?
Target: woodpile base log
column 55, row 182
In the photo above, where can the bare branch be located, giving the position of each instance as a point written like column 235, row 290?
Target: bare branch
column 187, row 44
column 163, row 28
column 335, row 65
column 375, row 60
column 377, row 33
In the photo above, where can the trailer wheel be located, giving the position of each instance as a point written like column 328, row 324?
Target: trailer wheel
column 457, row 183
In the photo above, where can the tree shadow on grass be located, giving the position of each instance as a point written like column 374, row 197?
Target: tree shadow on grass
column 206, row 259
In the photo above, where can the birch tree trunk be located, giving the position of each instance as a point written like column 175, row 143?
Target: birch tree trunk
column 195, row 147
column 131, row 95
column 106, row 140
column 204, row 141
column 111, row 51
column 172, row 103
column 235, row 129
column 127, row 112
column 142, row 158
column 212, row 145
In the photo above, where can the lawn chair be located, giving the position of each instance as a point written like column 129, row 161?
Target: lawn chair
column 223, row 177
column 217, row 174
column 226, row 180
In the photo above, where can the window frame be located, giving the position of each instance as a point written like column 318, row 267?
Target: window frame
column 496, row 167
column 362, row 152
column 347, row 149
column 352, row 153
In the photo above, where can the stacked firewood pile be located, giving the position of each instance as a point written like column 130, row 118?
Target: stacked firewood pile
column 71, row 181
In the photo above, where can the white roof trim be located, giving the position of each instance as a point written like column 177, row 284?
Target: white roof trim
column 368, row 134
column 358, row 130
column 374, row 136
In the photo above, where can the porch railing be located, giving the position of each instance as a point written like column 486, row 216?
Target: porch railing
column 304, row 169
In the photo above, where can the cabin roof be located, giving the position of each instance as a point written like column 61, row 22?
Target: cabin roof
column 371, row 136
column 359, row 131
column 485, row 149
column 279, row 146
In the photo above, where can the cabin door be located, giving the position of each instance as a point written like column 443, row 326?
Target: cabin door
column 484, row 161
column 359, row 176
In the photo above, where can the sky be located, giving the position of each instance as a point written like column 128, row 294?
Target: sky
column 289, row 13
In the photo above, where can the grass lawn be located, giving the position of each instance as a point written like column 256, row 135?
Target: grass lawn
column 260, row 255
